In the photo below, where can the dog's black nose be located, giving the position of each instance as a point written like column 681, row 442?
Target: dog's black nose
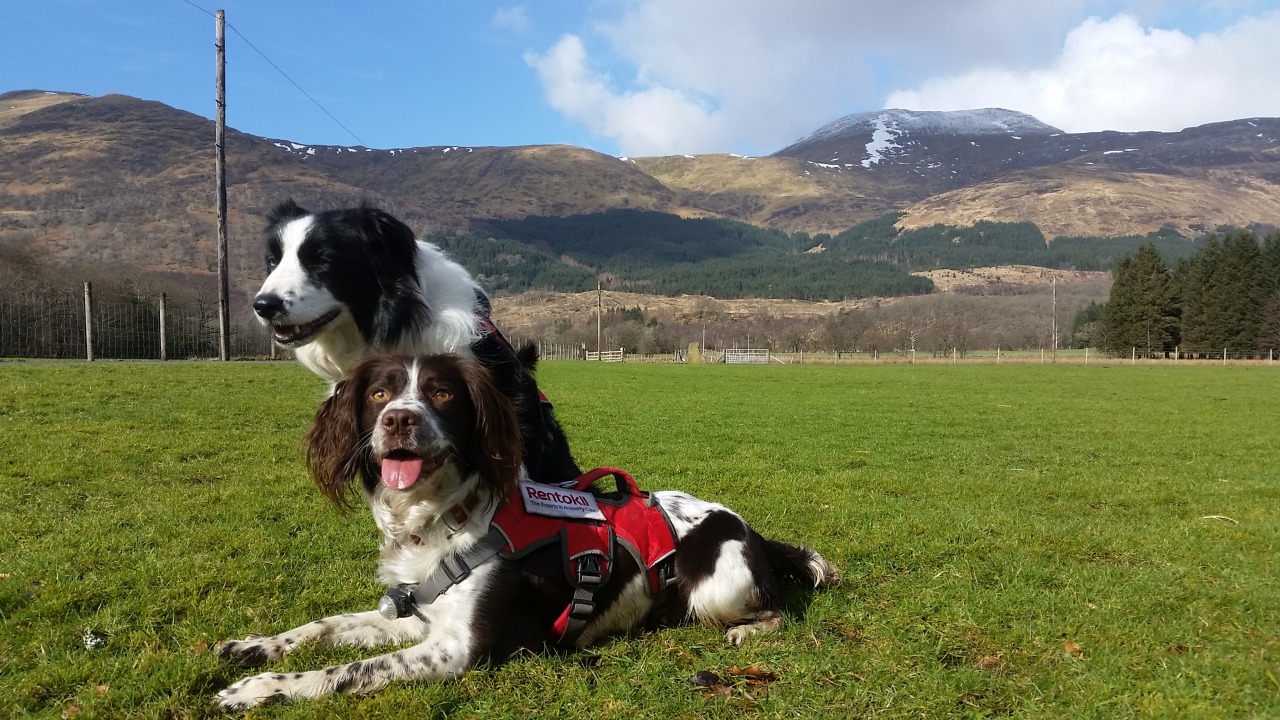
column 268, row 305
column 399, row 422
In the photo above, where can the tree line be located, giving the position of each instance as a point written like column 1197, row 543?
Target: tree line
column 652, row 252
column 1224, row 298
column 936, row 324
column 662, row 254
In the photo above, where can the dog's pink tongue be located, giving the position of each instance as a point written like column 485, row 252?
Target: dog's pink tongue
column 400, row 474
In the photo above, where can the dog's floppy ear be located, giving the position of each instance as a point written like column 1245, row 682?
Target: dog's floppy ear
column 285, row 211
column 385, row 237
column 495, row 449
column 334, row 452
column 392, row 252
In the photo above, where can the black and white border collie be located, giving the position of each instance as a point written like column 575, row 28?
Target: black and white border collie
column 421, row 436
column 345, row 284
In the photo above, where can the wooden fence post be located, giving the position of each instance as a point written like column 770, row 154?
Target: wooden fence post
column 88, row 321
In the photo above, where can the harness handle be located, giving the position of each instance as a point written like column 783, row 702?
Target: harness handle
column 626, row 484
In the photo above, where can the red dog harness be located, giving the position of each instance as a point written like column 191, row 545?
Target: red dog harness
column 589, row 528
column 588, row 546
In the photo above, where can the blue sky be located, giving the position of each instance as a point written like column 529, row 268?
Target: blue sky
column 648, row 77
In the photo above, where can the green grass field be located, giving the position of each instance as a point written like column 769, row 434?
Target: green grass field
column 1025, row 541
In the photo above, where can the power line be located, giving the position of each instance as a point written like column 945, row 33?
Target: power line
column 282, row 73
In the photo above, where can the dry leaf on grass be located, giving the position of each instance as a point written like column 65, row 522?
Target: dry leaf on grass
column 852, row 633
column 1072, row 649
column 754, row 674
column 989, row 662
column 723, row 692
column 744, row 681
column 102, row 689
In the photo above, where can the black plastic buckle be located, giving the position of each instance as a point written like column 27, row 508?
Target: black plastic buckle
column 590, row 572
column 666, row 574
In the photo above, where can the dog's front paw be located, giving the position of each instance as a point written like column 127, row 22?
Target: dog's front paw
column 251, row 692
column 253, row 651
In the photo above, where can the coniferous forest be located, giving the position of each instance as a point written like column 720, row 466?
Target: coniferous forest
column 663, row 254
column 1223, row 299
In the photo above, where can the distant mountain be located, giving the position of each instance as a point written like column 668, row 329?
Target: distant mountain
column 932, row 151
column 883, row 127
column 958, row 168
column 126, row 184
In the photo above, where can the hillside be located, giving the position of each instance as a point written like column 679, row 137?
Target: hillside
column 125, row 186
column 116, row 182
column 122, row 183
column 1083, row 199
column 455, row 186
column 777, row 192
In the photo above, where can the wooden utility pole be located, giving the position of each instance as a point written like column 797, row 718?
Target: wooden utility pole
column 220, row 175
column 1054, row 324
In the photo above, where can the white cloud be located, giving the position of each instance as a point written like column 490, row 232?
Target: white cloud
column 1117, row 75
column 514, row 18
column 655, row 120
column 696, row 76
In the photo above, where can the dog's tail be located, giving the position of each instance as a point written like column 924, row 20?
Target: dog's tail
column 800, row 564
column 528, row 356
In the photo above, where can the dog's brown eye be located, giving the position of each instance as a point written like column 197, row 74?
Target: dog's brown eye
column 441, row 395
column 379, row 396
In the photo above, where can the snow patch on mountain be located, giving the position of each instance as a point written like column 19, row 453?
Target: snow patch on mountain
column 882, row 141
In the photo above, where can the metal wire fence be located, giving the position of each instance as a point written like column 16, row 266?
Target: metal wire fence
column 73, row 325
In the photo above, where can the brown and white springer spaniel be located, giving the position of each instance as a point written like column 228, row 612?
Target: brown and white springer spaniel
column 427, row 435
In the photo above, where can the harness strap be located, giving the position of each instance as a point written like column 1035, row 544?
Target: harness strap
column 456, row 567
column 626, row 484
column 587, row 571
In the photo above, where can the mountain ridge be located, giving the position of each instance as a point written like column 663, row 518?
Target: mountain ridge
column 116, row 181
column 977, row 122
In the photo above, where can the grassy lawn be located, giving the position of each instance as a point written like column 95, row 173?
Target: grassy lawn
column 1033, row 541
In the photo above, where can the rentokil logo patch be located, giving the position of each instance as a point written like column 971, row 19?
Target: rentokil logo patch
column 552, row 501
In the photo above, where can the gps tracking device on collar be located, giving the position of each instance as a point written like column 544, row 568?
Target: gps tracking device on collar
column 397, row 603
